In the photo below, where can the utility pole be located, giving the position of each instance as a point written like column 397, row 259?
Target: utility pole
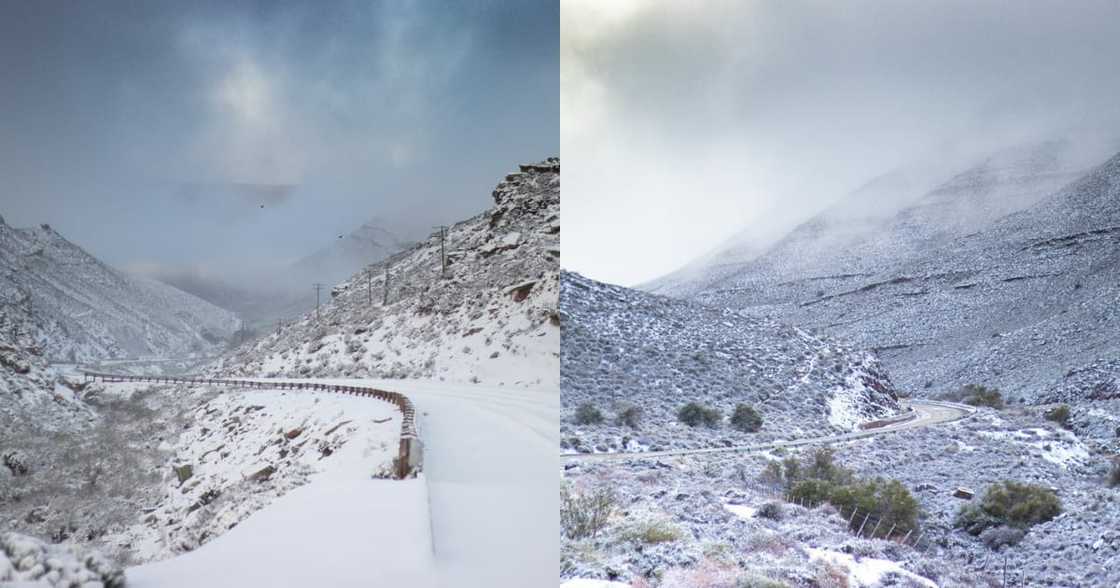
column 317, row 287
column 385, row 294
column 369, row 286
column 443, row 248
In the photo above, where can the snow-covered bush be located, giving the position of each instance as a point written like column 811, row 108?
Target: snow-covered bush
column 998, row 537
column 25, row 559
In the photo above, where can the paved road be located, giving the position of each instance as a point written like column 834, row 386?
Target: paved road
column 928, row 413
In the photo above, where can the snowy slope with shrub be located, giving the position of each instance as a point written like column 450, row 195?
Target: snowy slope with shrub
column 624, row 348
column 492, row 318
column 76, row 308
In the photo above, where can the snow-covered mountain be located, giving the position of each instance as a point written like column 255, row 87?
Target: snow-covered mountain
column 999, row 276
column 492, row 317
column 61, row 299
column 893, row 218
column 623, row 347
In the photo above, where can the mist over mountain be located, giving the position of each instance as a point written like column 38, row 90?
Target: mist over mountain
column 999, row 275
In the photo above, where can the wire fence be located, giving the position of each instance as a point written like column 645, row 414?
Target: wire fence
column 864, row 523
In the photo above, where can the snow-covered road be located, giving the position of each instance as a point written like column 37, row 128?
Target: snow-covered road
column 484, row 513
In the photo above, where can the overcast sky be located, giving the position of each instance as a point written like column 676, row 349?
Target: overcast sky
column 684, row 122
column 152, row 133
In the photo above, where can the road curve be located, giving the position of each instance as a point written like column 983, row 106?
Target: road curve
column 927, row 414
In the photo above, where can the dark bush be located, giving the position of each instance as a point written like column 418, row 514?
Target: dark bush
column 1059, row 414
column 977, row 395
column 587, row 414
column 630, row 415
column 1012, row 504
column 772, row 511
column 694, row 415
column 998, row 537
column 746, row 419
column 1114, row 475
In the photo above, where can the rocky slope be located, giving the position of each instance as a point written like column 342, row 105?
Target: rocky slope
column 1024, row 301
column 622, row 347
column 76, row 308
column 491, row 317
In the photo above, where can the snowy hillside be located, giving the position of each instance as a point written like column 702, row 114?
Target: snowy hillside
column 76, row 308
column 491, row 318
column 624, row 347
column 892, row 219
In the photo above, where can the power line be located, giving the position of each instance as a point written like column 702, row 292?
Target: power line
column 318, row 287
column 385, row 294
column 443, row 249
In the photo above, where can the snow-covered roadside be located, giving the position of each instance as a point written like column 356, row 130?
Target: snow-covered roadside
column 340, row 529
column 241, row 451
column 489, row 486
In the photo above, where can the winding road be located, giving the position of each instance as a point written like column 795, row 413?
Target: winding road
column 927, row 414
column 484, row 512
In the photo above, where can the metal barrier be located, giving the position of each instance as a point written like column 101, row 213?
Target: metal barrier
column 410, row 454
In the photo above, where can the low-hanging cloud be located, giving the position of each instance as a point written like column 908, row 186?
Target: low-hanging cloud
column 684, row 122
column 242, row 134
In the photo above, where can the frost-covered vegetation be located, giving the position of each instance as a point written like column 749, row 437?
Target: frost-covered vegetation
column 25, row 561
column 1012, row 504
column 690, row 367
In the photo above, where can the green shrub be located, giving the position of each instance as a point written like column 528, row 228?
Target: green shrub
column 694, row 415
column 587, row 414
column 746, row 419
column 584, row 515
column 630, row 415
column 1059, row 414
column 653, row 532
column 977, row 395
column 1012, row 504
column 821, row 480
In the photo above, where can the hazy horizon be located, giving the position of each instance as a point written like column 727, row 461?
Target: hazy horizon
column 684, row 127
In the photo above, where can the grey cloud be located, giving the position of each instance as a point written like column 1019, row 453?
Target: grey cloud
column 684, row 122
column 144, row 130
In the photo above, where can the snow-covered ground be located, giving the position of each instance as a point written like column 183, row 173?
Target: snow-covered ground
column 485, row 512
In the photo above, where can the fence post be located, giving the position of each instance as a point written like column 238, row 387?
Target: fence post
column 876, row 527
column 860, row 532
